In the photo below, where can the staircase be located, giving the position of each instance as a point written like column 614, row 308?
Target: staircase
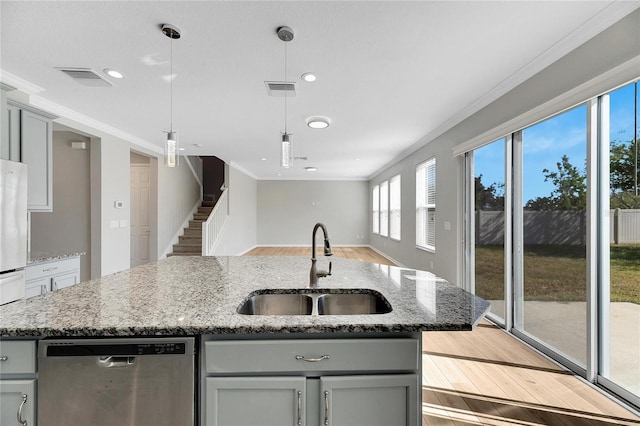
column 190, row 242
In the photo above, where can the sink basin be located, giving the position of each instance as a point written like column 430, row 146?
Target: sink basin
column 277, row 304
column 352, row 304
column 312, row 302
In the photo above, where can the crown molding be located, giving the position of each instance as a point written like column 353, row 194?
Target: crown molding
column 70, row 114
column 18, row 83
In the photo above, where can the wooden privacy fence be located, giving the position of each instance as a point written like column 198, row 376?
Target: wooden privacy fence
column 561, row 227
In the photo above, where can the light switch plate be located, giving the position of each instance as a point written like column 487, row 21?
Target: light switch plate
column 114, row 223
column 124, row 223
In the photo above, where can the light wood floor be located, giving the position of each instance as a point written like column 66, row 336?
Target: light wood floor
column 364, row 254
column 487, row 377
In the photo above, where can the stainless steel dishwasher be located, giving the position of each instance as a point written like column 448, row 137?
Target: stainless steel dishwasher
column 123, row 382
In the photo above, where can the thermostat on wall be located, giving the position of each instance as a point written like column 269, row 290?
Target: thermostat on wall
column 79, row 145
column 118, row 204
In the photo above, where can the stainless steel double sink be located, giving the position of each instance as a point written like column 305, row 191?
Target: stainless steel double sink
column 315, row 302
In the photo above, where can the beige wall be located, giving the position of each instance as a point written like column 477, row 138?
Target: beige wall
column 288, row 210
column 68, row 227
column 240, row 230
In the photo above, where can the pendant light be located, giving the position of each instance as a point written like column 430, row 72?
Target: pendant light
column 171, row 149
column 285, row 34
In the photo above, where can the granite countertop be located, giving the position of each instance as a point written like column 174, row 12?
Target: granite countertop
column 48, row 256
column 200, row 295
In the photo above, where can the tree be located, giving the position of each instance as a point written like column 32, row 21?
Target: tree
column 622, row 168
column 570, row 191
column 489, row 197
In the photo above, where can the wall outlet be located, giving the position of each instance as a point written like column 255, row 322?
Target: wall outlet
column 114, row 224
column 124, row 223
column 447, row 226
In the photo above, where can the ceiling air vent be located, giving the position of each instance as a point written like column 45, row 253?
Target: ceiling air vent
column 281, row 88
column 86, row 77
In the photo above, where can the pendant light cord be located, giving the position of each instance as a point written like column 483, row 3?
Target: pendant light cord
column 286, row 95
column 171, row 82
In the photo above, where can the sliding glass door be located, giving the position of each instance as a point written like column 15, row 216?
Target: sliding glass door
column 554, row 223
column 553, row 237
column 489, row 225
column 620, row 292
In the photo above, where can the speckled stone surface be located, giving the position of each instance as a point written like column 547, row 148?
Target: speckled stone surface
column 48, row 256
column 201, row 295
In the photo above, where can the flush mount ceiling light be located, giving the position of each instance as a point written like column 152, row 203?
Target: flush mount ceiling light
column 113, row 73
column 285, row 34
column 318, row 122
column 172, row 149
column 309, row 77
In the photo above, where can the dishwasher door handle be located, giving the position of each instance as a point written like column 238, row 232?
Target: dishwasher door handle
column 116, row 361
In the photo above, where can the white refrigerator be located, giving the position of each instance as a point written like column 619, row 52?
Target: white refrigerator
column 13, row 230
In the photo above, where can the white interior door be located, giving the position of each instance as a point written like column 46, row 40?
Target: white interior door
column 140, row 218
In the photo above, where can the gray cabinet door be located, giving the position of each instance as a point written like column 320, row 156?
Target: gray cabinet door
column 380, row 400
column 36, row 149
column 17, row 402
column 250, row 401
column 11, row 134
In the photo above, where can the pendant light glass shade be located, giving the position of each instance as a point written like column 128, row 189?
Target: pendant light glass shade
column 171, row 150
column 285, row 153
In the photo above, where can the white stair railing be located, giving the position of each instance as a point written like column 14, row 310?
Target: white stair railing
column 212, row 228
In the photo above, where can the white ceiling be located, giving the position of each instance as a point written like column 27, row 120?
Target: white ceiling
column 391, row 74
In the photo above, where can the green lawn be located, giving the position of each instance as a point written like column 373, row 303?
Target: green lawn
column 557, row 273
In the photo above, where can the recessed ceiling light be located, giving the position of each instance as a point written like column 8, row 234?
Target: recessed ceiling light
column 318, row 122
column 263, row 159
column 357, row 159
column 113, row 73
column 180, row 149
column 311, row 169
column 309, row 77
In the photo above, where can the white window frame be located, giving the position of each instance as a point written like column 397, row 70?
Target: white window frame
column 426, row 203
column 375, row 210
column 384, row 208
column 395, row 208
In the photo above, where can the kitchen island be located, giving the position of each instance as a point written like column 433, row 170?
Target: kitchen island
column 324, row 366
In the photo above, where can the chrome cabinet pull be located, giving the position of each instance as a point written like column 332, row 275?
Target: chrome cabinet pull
column 19, row 414
column 302, row 358
column 4, row 358
column 299, row 408
column 50, row 269
column 326, row 408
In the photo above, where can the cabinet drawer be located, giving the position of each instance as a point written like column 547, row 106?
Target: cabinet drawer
column 19, row 356
column 47, row 269
column 268, row 356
